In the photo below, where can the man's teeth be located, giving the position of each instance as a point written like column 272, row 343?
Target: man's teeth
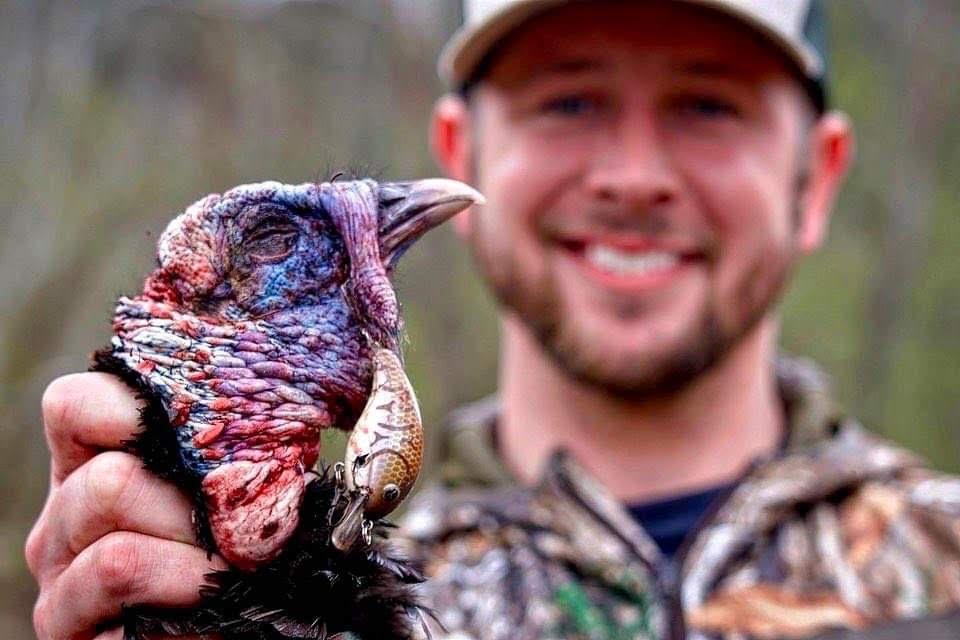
column 629, row 262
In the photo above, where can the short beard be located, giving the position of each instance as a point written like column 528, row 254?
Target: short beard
column 634, row 381
column 707, row 341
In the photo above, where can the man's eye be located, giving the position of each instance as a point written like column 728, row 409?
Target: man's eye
column 712, row 108
column 570, row 106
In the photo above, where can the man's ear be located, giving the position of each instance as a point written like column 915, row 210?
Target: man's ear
column 450, row 140
column 831, row 152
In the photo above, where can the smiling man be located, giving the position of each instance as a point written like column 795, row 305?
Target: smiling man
column 653, row 172
column 651, row 467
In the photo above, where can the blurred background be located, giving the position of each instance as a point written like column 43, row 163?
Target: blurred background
column 116, row 114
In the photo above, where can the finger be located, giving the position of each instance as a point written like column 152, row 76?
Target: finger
column 111, row 492
column 85, row 413
column 36, row 549
column 124, row 568
column 117, row 634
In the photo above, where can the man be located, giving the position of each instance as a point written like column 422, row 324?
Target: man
column 653, row 172
column 650, row 469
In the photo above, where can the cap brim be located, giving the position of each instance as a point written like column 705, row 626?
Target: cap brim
column 470, row 44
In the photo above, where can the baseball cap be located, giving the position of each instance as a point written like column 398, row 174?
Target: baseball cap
column 796, row 27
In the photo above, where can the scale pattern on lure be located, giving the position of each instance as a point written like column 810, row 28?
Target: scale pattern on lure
column 385, row 450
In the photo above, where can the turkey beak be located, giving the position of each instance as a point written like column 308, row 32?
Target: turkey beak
column 410, row 209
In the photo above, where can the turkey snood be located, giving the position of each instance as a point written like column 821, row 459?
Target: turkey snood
column 254, row 334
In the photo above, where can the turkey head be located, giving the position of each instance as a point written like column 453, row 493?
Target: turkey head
column 256, row 331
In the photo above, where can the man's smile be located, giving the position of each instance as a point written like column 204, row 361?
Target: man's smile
column 629, row 264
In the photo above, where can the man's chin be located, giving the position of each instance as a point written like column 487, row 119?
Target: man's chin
column 638, row 373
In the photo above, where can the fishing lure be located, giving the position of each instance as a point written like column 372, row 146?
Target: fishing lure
column 384, row 453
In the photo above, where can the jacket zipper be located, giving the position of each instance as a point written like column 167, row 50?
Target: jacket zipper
column 678, row 629
column 667, row 577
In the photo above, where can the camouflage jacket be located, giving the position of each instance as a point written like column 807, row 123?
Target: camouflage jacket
column 840, row 530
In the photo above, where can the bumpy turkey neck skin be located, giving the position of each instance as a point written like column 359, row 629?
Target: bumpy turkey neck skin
column 248, row 400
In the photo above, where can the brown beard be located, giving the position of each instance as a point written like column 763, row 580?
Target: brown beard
column 536, row 304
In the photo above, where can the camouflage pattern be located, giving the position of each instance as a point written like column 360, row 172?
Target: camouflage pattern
column 839, row 530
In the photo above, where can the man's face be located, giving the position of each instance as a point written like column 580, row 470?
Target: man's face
column 641, row 164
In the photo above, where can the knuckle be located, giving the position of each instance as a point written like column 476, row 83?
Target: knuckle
column 34, row 547
column 118, row 563
column 41, row 616
column 60, row 402
column 109, row 479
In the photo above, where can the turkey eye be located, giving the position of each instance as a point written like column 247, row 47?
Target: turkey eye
column 270, row 242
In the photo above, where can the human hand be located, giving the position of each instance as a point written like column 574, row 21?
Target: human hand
column 111, row 533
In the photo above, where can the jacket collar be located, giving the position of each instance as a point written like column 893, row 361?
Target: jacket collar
column 816, row 429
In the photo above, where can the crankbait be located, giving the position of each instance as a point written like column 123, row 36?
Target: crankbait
column 384, row 453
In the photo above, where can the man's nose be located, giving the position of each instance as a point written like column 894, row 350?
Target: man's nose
column 634, row 167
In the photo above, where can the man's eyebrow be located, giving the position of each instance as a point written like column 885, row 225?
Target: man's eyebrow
column 567, row 67
column 710, row 69
column 576, row 65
